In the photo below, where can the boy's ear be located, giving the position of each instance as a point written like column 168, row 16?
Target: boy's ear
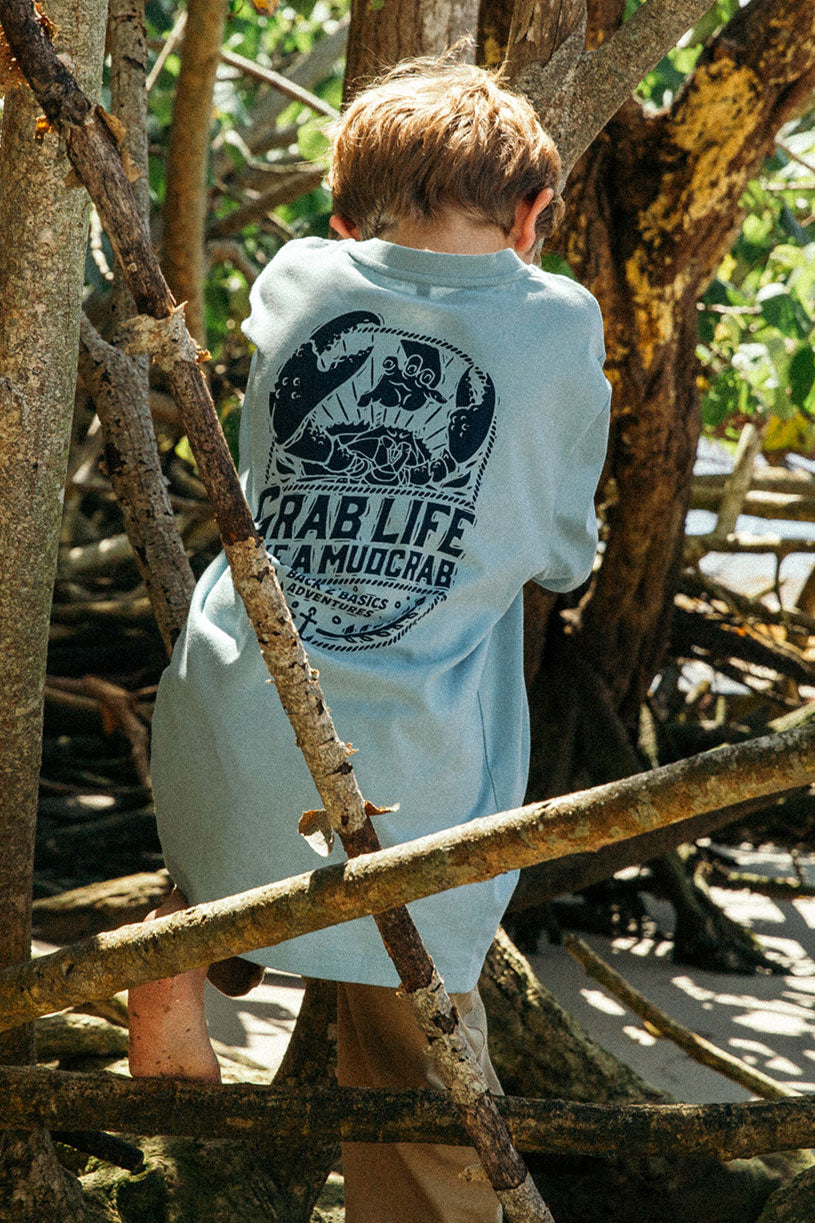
column 522, row 236
column 344, row 227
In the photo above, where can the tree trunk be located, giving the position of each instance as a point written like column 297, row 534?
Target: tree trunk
column 43, row 230
column 185, row 207
column 539, row 1049
column 382, row 34
column 651, row 211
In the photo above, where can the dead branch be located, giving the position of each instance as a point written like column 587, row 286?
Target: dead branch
column 792, row 506
column 294, row 181
column 779, row 888
column 793, row 481
column 307, row 72
column 173, row 39
column 232, row 252
column 736, row 486
column 59, row 1099
column 572, row 873
column 289, row 89
column 696, row 1047
column 134, row 468
column 745, row 544
column 99, row 906
column 696, row 584
column 711, row 637
column 576, row 823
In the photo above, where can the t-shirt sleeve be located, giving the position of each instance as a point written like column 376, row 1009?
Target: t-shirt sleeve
column 574, row 522
column 572, row 538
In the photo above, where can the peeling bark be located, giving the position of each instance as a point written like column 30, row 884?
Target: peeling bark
column 651, row 212
column 382, row 36
column 120, row 394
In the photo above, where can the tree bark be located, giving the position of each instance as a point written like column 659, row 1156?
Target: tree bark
column 539, row 1049
column 120, row 393
column 43, row 231
column 382, row 35
column 651, row 212
column 380, row 881
column 54, row 1098
column 185, row 206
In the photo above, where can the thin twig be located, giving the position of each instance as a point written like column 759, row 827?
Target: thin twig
column 173, row 39
column 696, row 1047
column 288, row 88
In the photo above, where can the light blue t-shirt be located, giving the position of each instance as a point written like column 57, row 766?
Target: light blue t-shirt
column 422, row 434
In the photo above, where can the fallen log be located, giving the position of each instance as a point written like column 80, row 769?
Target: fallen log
column 56, row 1099
column 373, row 883
column 99, row 906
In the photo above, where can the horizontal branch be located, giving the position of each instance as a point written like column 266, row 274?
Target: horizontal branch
column 765, row 479
column 373, row 883
column 791, row 507
column 748, row 545
column 58, row 1099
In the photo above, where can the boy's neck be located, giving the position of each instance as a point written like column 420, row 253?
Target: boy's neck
column 454, row 234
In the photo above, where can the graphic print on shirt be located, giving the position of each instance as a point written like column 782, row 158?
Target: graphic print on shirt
column 380, row 439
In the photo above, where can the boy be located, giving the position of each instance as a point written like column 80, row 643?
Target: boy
column 423, row 432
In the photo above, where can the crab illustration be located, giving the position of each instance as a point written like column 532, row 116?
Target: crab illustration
column 383, row 451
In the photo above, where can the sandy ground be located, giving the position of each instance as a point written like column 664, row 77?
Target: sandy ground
column 769, row 1021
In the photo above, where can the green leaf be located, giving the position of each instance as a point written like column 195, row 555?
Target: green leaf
column 312, row 143
column 791, row 225
column 801, row 375
column 779, row 309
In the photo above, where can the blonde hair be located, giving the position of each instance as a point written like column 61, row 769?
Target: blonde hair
column 433, row 133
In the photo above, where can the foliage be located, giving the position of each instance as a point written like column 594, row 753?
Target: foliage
column 757, row 322
column 757, row 318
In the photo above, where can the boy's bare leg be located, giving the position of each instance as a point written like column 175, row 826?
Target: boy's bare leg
column 168, row 1025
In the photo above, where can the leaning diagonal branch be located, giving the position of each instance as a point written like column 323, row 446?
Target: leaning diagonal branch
column 696, row 1047
column 132, row 460
column 574, row 824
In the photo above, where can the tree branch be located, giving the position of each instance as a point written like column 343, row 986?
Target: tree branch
column 132, row 461
column 161, row 331
column 576, row 95
column 185, row 206
column 481, row 849
column 696, row 1047
column 62, row 1099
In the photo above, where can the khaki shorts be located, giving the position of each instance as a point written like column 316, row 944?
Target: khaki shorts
column 379, row 1044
